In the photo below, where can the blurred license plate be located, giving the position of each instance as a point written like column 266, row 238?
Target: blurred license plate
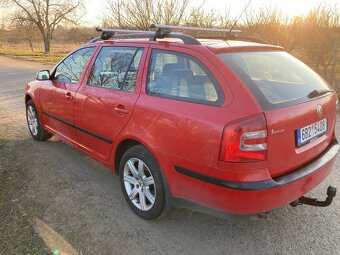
column 311, row 132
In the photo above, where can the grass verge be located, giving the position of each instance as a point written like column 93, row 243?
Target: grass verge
column 17, row 234
column 36, row 56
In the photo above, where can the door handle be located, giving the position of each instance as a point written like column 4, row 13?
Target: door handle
column 121, row 109
column 68, row 96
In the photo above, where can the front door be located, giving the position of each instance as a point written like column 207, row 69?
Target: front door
column 58, row 97
column 105, row 102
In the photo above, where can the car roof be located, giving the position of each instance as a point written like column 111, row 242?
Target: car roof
column 217, row 46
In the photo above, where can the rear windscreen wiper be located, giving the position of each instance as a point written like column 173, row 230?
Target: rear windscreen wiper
column 316, row 93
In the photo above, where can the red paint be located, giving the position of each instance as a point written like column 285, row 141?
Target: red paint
column 189, row 134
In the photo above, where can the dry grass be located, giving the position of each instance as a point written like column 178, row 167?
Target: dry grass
column 17, row 234
column 23, row 52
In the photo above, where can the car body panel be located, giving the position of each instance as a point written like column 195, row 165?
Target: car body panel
column 240, row 201
column 187, row 134
column 284, row 154
column 57, row 103
column 96, row 112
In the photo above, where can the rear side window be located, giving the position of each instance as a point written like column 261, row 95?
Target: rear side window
column 116, row 68
column 182, row 77
column 276, row 79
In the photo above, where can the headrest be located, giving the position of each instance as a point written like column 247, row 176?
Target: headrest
column 175, row 69
column 169, row 69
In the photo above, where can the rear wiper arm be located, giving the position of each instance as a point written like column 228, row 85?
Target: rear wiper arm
column 317, row 93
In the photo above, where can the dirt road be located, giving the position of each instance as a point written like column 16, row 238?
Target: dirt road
column 53, row 197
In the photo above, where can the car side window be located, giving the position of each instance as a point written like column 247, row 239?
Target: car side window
column 116, row 68
column 70, row 70
column 182, row 77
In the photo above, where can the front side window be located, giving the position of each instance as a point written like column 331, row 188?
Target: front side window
column 70, row 70
column 182, row 77
column 116, row 68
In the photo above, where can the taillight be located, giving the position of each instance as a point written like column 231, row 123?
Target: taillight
column 245, row 140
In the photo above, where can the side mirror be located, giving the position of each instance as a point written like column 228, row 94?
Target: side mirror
column 43, row 75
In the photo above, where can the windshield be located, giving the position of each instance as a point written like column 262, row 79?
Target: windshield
column 276, row 79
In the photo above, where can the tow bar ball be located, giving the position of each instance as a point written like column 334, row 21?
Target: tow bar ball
column 331, row 192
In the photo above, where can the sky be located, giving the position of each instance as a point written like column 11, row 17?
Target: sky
column 94, row 8
column 292, row 7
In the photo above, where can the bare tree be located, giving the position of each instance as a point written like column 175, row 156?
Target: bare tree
column 316, row 36
column 47, row 14
column 136, row 14
column 198, row 17
column 269, row 24
column 25, row 29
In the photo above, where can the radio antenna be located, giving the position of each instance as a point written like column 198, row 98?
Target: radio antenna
column 245, row 8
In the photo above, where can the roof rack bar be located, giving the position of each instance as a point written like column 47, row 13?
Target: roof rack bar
column 122, row 31
column 160, row 33
column 127, row 36
column 165, row 31
column 205, row 29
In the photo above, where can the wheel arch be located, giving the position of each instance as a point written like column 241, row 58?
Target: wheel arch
column 127, row 143
column 121, row 148
column 28, row 97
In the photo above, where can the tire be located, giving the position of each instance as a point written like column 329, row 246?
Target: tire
column 34, row 124
column 141, row 182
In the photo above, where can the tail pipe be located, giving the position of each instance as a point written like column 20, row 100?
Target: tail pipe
column 331, row 192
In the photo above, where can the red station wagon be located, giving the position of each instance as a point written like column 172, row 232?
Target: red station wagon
column 232, row 126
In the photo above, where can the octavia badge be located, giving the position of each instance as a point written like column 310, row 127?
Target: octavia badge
column 319, row 110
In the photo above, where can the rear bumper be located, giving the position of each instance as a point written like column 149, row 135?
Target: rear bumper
column 260, row 196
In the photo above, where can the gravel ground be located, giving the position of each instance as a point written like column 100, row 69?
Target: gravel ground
column 53, row 197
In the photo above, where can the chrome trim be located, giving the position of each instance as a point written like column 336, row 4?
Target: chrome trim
column 253, row 135
column 319, row 110
column 277, row 131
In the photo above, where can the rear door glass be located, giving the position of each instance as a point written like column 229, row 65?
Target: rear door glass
column 116, row 68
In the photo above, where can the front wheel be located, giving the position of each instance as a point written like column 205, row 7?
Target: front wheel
column 142, row 182
column 33, row 123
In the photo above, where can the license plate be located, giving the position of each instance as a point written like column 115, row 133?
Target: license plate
column 311, row 132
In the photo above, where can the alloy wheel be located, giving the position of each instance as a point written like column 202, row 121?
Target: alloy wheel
column 32, row 120
column 139, row 184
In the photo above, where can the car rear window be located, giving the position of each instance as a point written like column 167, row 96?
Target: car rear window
column 276, row 78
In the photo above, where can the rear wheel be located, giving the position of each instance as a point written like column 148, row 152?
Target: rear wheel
column 142, row 182
column 33, row 123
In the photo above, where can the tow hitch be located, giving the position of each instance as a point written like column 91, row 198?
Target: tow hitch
column 331, row 192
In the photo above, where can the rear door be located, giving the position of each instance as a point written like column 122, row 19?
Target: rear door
column 183, row 106
column 299, row 107
column 105, row 101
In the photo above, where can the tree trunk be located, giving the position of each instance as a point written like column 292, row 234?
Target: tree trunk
column 30, row 44
column 47, row 45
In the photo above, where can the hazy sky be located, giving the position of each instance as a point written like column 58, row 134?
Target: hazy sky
column 94, row 8
column 292, row 7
